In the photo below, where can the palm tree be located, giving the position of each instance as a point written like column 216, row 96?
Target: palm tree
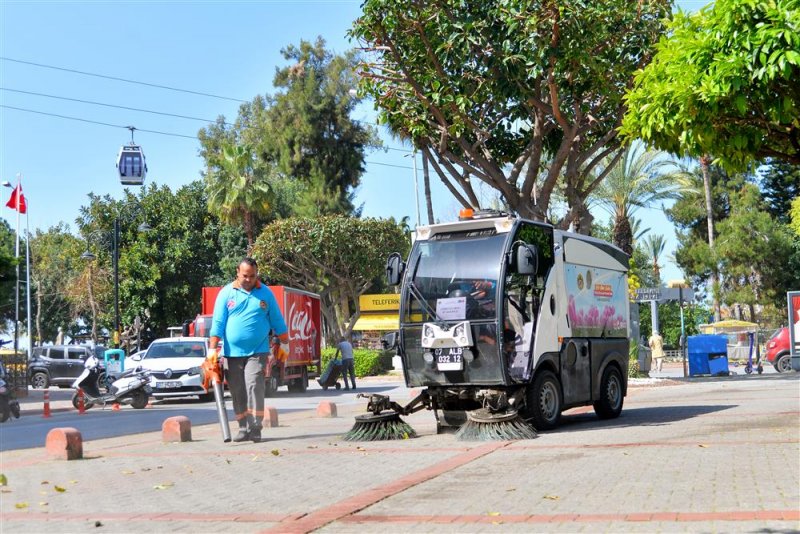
column 639, row 179
column 237, row 188
column 655, row 245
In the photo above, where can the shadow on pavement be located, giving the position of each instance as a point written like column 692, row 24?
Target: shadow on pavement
column 645, row 416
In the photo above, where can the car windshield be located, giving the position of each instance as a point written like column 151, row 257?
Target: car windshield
column 775, row 334
column 176, row 349
column 456, row 275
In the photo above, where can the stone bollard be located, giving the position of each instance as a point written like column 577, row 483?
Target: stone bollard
column 326, row 409
column 64, row 444
column 270, row 417
column 176, row 429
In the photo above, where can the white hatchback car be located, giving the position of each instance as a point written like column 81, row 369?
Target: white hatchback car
column 174, row 363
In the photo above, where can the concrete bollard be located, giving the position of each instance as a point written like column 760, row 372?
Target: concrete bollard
column 326, row 409
column 270, row 417
column 64, row 444
column 176, row 429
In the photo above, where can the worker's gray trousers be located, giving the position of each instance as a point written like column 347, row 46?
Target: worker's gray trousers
column 246, row 383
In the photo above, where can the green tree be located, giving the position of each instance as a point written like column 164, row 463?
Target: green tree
column 723, row 82
column 314, row 140
column 637, row 180
column 654, row 245
column 337, row 257
column 8, row 275
column 492, row 90
column 238, row 189
column 55, row 261
column 780, row 184
column 794, row 223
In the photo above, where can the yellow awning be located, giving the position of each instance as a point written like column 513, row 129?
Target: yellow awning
column 728, row 326
column 378, row 321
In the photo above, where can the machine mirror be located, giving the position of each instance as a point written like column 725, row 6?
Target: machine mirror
column 394, row 269
column 526, row 260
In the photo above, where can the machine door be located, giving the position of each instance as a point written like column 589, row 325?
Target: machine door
column 58, row 364
column 576, row 371
column 76, row 357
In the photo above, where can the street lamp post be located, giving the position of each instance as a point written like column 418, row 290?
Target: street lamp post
column 115, row 263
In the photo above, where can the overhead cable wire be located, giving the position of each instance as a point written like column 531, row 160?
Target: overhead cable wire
column 97, row 122
column 126, row 80
column 111, row 105
column 172, row 134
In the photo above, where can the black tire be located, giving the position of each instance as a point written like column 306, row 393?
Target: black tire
column 338, row 385
column 784, row 363
column 139, row 399
column 103, row 381
column 76, row 402
column 544, row 401
column 271, row 383
column 609, row 405
column 206, row 397
column 5, row 410
column 40, row 380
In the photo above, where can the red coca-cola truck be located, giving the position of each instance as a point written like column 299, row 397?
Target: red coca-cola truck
column 301, row 311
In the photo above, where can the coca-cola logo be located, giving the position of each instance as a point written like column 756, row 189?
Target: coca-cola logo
column 301, row 327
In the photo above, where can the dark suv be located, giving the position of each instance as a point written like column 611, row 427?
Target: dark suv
column 59, row 365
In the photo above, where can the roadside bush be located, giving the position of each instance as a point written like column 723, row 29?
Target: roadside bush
column 367, row 362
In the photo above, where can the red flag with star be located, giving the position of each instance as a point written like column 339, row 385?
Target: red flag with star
column 17, row 200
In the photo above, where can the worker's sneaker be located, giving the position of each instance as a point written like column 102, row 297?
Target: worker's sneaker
column 243, row 435
column 255, row 434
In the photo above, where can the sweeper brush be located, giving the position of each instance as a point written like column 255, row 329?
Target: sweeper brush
column 384, row 423
column 483, row 425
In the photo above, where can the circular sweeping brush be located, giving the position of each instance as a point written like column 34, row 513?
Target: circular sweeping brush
column 378, row 427
column 483, row 425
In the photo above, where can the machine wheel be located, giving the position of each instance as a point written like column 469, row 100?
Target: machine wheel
column 338, row 385
column 5, row 410
column 609, row 405
column 76, row 402
column 784, row 364
column 747, row 369
column 206, row 397
column 139, row 399
column 40, row 380
column 271, row 384
column 544, row 401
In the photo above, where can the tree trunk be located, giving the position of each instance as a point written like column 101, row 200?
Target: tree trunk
column 623, row 235
column 704, row 162
column 426, row 178
column 38, row 314
column 93, row 306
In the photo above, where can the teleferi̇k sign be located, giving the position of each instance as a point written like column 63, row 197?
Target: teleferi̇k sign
column 663, row 294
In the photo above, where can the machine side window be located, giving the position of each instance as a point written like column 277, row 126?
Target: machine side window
column 56, row 353
column 76, row 354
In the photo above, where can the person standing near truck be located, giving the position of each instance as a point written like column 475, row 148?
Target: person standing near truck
column 245, row 313
column 657, row 346
column 348, row 366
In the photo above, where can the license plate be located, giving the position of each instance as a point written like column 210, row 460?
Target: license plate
column 168, row 385
column 449, row 359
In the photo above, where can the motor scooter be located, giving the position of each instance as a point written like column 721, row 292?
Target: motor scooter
column 131, row 387
column 9, row 405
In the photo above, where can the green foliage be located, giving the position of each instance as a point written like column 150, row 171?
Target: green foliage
column 723, row 82
column 334, row 256
column 780, row 184
column 8, row 274
column 162, row 270
column 505, row 90
column 669, row 316
column 367, row 362
column 794, row 223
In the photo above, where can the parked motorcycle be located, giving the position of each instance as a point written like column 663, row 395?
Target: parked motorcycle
column 131, row 387
column 8, row 404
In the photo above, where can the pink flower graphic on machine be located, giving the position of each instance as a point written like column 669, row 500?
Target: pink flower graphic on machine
column 592, row 321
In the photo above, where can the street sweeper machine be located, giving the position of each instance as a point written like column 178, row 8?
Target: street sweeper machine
column 505, row 323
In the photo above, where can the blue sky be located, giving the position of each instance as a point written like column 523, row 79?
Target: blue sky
column 230, row 49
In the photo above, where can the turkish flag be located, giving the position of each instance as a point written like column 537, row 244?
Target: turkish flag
column 15, row 204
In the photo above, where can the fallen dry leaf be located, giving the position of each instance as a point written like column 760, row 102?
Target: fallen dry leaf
column 511, row 489
column 275, row 452
column 44, row 482
column 43, row 503
column 255, row 458
column 21, row 505
column 227, row 461
column 73, row 481
column 703, row 445
column 165, row 485
column 493, row 514
column 127, row 472
column 360, row 449
column 552, row 497
column 59, row 489
column 3, row 480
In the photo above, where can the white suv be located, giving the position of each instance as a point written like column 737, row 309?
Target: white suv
column 174, row 363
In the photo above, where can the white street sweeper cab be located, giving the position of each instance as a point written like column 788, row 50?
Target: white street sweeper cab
column 500, row 315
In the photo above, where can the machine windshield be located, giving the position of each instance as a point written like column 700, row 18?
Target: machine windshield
column 455, row 277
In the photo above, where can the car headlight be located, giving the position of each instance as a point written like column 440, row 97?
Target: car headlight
column 193, row 371
column 427, row 331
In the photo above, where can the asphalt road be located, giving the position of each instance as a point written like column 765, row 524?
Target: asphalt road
column 31, row 429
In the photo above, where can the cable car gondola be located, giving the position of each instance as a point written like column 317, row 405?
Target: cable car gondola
column 131, row 165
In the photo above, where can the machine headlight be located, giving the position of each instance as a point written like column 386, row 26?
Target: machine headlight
column 193, row 371
column 427, row 331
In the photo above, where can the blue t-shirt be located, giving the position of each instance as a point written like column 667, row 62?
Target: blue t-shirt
column 243, row 320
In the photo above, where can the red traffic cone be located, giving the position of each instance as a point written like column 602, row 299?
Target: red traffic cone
column 46, row 403
column 115, row 407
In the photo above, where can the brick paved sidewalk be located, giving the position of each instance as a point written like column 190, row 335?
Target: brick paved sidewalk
column 710, row 455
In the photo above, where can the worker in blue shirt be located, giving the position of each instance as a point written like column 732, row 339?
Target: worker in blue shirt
column 244, row 314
